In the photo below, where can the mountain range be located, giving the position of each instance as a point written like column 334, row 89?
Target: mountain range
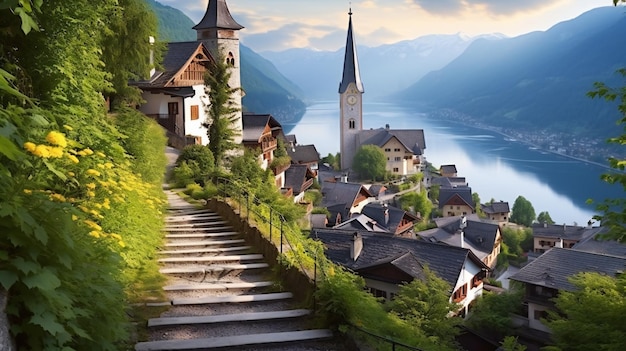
column 538, row 80
column 266, row 90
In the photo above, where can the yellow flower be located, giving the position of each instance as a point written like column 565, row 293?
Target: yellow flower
column 91, row 193
column 93, row 172
column 116, row 236
column 73, row 158
column 90, row 186
column 101, row 154
column 72, row 174
column 56, row 152
column 74, row 217
column 66, row 127
column 94, row 233
column 108, row 165
column 42, row 151
column 56, row 138
column 88, row 151
column 28, row 191
column 30, row 147
column 121, row 243
column 100, row 165
column 57, row 197
column 92, row 224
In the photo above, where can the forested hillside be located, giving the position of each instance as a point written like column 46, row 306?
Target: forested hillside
column 266, row 89
column 537, row 80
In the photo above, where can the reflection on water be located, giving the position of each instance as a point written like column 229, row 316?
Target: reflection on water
column 494, row 167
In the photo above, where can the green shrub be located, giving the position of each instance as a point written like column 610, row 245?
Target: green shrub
column 195, row 163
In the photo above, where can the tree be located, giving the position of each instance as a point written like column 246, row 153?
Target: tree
column 222, row 111
column 597, row 307
column 418, row 202
column 544, row 217
column 479, row 209
column 332, row 160
column 523, row 212
column 425, row 304
column 370, row 162
column 492, row 312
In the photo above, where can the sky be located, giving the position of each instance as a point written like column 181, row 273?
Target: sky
column 276, row 25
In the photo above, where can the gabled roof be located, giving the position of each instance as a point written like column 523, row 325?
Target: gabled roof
column 598, row 245
column 177, row 57
column 387, row 216
column 449, row 182
column 338, row 213
column 552, row 268
column 377, row 189
column 458, row 195
column 303, row 154
column 496, row 207
column 296, row 177
column 568, row 232
column 480, row 237
column 351, row 72
column 409, row 255
column 361, row 222
column 448, row 169
column 217, row 16
column 342, row 193
column 412, row 139
column 254, row 126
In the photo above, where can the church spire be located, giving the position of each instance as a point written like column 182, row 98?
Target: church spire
column 350, row 63
column 217, row 16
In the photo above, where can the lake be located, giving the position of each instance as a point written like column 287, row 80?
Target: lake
column 493, row 165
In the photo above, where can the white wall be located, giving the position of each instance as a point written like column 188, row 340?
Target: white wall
column 195, row 127
column 470, row 269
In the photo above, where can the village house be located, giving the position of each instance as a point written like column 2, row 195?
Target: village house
column 456, row 201
column 304, row 155
column 448, row 171
column 483, row 238
column 382, row 218
column 547, row 236
column 342, row 199
column 548, row 274
column 386, row 262
column 497, row 211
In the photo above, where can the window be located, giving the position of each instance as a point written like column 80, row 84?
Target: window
column 460, row 293
column 398, row 159
column 378, row 293
column 396, row 170
column 540, row 314
column 195, row 112
column 396, row 150
column 172, row 108
column 351, row 124
column 476, row 281
column 387, row 150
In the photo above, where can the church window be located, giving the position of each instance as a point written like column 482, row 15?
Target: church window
column 230, row 60
column 351, row 124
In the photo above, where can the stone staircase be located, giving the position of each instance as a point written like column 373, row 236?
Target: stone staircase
column 219, row 292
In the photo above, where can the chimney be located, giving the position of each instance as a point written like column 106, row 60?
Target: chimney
column 463, row 223
column 559, row 243
column 386, row 208
column 462, row 239
column 356, row 246
column 344, row 178
column 152, row 69
column 387, row 126
column 589, row 224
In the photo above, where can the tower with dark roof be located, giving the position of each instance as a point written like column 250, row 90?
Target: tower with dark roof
column 219, row 32
column 350, row 101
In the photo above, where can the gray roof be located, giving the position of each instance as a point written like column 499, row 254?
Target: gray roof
column 567, row 232
column 217, row 16
column 361, row 222
column 342, row 193
column 254, row 126
column 176, row 57
column 303, row 154
column 296, row 177
column 351, row 72
column 460, row 194
column 496, row 207
column 377, row 189
column 408, row 255
column 448, row 169
column 597, row 244
column 391, row 222
column 412, row 139
column 480, row 237
column 554, row 267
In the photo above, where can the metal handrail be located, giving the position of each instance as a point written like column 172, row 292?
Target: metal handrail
column 393, row 343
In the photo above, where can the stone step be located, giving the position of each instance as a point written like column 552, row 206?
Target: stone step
column 186, row 226
column 205, row 243
column 217, row 286
column 191, row 211
column 232, row 299
column 212, row 268
column 200, row 235
column 234, row 341
column 191, row 217
column 205, row 250
column 237, row 317
column 249, row 257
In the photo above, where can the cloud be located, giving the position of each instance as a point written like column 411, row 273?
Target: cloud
column 494, row 7
column 295, row 35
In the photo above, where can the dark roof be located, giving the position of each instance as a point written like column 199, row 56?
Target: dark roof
column 597, row 244
column 462, row 194
column 552, row 268
column 351, row 72
column 254, row 126
column 391, row 222
column 291, row 139
column 361, row 222
column 377, row 189
column 176, row 57
column 303, row 154
column 296, row 177
column 480, row 237
column 342, row 193
column 407, row 254
column 338, row 213
column 496, row 207
column 568, row 232
column 217, row 16
column 412, row 139
column 448, row 169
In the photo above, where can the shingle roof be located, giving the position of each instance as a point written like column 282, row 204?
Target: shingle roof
column 217, row 15
column 351, row 72
column 412, row 139
column 496, row 207
column 361, row 222
column 445, row 261
column 391, row 222
column 448, row 169
column 552, row 268
column 296, row 177
column 568, row 232
column 342, row 193
column 303, row 154
column 463, row 194
column 254, row 126
column 598, row 245
column 176, row 57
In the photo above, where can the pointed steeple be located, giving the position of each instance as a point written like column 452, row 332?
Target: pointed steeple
column 351, row 72
column 217, row 16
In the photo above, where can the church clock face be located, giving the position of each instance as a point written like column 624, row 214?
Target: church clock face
column 352, row 99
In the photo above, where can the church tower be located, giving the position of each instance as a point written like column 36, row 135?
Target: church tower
column 220, row 33
column 350, row 101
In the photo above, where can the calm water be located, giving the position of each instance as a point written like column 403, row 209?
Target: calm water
column 493, row 166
